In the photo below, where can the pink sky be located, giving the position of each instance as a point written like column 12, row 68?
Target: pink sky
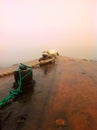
column 28, row 27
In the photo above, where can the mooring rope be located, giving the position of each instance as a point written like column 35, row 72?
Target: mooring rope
column 16, row 92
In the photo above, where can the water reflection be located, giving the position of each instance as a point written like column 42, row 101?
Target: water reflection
column 47, row 68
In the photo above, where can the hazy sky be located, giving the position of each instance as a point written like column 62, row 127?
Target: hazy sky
column 27, row 27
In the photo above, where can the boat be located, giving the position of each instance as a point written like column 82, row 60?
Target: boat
column 63, row 97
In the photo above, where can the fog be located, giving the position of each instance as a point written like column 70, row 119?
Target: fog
column 28, row 27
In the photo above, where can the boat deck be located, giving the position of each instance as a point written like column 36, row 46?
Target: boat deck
column 66, row 91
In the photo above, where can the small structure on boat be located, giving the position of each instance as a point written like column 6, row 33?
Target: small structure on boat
column 26, row 74
column 23, row 78
column 48, row 57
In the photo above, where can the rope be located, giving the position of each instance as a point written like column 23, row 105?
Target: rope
column 16, row 92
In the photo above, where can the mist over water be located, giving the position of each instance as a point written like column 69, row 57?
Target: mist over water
column 27, row 52
column 30, row 52
column 30, row 27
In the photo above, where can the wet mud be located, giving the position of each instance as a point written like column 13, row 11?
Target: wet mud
column 63, row 97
